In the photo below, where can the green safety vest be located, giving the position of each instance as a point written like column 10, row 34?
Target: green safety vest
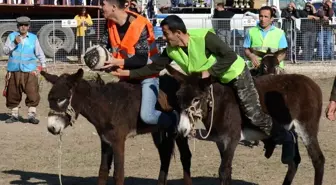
column 271, row 40
column 197, row 61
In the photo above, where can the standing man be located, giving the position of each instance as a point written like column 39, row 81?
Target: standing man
column 24, row 51
column 263, row 36
column 130, row 37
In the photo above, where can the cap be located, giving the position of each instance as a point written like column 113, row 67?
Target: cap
column 23, row 20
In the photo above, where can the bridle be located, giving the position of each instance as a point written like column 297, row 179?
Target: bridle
column 195, row 111
column 70, row 111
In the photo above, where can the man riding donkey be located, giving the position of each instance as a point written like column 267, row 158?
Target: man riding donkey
column 131, row 38
column 264, row 36
column 24, row 51
column 200, row 50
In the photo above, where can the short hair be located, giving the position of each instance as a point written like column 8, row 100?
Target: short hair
column 270, row 9
column 220, row 4
column 119, row 3
column 174, row 23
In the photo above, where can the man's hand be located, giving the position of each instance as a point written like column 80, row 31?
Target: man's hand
column 121, row 72
column 17, row 39
column 331, row 110
column 255, row 61
column 111, row 63
column 205, row 74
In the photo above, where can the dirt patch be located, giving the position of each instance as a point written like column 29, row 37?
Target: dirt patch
column 29, row 154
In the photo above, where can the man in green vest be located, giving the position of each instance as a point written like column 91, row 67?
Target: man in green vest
column 200, row 50
column 263, row 36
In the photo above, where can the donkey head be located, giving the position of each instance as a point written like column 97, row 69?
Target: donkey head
column 193, row 98
column 61, row 113
column 270, row 61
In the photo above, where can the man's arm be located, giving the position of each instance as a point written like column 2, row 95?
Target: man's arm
column 40, row 54
column 283, row 41
column 333, row 92
column 9, row 46
column 251, row 56
column 141, row 53
column 105, row 40
column 225, row 56
column 153, row 68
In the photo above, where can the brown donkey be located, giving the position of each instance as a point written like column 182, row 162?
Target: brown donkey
column 113, row 109
column 293, row 100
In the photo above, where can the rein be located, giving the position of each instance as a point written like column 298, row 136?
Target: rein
column 194, row 111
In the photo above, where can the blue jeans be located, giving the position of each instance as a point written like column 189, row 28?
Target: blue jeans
column 148, row 113
column 325, row 42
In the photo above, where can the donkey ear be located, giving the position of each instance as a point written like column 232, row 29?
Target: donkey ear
column 176, row 74
column 258, row 53
column 49, row 77
column 74, row 78
column 281, row 54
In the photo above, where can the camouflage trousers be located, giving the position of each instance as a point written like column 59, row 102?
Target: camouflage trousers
column 249, row 101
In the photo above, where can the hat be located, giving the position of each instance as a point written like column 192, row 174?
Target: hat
column 23, row 20
column 96, row 56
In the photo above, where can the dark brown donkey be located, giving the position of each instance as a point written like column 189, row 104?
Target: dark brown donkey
column 113, row 109
column 269, row 63
column 291, row 99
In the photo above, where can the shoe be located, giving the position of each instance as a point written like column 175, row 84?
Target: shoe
column 282, row 136
column 12, row 119
column 33, row 120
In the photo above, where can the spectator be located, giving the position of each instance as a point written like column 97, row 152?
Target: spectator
column 222, row 27
column 24, row 51
column 290, row 14
column 132, row 6
column 164, row 5
column 308, row 28
column 325, row 13
column 83, row 21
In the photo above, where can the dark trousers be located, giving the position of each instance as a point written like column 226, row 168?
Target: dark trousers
column 309, row 44
column 22, row 82
column 249, row 101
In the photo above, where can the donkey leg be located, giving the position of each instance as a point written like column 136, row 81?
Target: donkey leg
column 185, row 157
column 292, row 167
column 119, row 157
column 165, row 146
column 226, row 149
column 314, row 151
column 105, row 163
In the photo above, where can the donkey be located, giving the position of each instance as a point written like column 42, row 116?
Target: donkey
column 113, row 109
column 269, row 63
column 293, row 100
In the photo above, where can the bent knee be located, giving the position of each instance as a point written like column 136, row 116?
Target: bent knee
column 148, row 117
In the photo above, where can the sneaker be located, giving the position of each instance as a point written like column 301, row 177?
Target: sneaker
column 12, row 119
column 33, row 120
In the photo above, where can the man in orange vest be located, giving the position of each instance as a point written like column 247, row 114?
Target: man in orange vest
column 130, row 38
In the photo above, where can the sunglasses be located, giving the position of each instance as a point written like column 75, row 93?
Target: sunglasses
column 24, row 25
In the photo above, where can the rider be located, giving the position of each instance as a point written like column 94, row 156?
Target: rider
column 200, row 50
column 264, row 36
column 131, row 39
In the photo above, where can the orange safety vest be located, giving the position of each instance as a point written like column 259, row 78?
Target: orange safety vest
column 125, row 48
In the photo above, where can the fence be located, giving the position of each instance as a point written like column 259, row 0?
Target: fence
column 308, row 40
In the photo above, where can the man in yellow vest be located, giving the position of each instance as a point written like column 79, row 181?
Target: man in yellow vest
column 264, row 36
column 200, row 50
